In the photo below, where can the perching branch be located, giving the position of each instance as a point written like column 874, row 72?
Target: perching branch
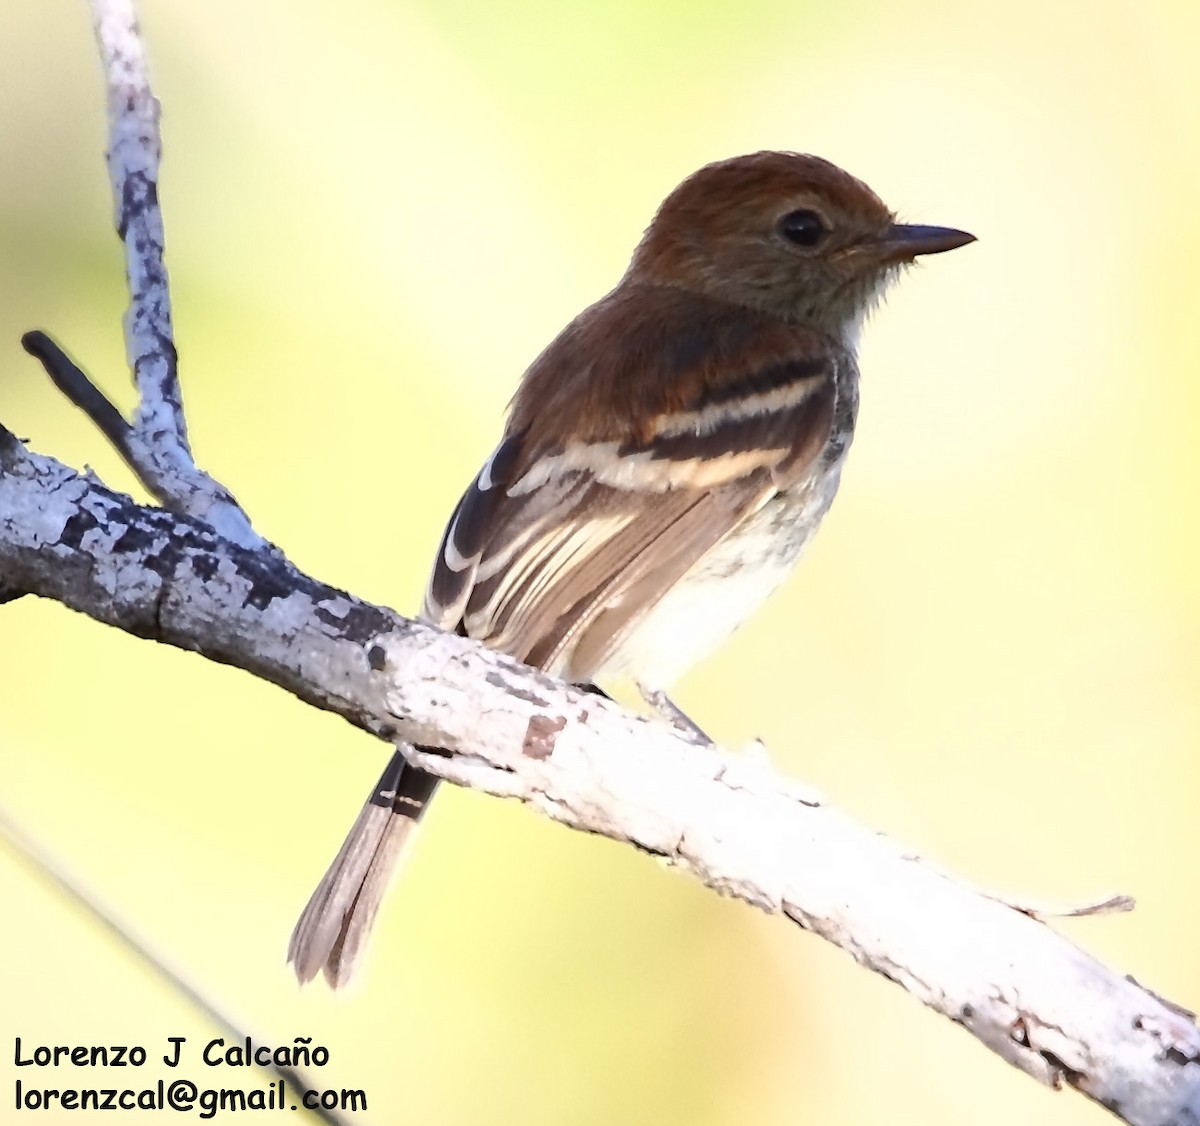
column 194, row 575
column 1024, row 991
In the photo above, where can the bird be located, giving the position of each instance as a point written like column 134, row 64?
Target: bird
column 665, row 461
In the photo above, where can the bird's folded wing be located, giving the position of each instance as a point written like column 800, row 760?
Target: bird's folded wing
column 554, row 533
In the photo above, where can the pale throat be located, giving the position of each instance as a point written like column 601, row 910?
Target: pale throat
column 849, row 330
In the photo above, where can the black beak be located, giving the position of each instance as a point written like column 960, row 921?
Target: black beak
column 904, row 241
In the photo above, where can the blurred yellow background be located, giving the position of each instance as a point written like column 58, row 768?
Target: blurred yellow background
column 377, row 214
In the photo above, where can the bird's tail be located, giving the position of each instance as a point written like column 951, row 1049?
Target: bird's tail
column 332, row 930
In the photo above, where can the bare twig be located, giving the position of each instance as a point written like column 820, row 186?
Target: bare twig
column 45, row 866
column 1024, row 991
column 156, row 446
column 71, row 380
column 1041, row 909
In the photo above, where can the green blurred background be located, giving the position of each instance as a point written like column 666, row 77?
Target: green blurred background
column 377, row 214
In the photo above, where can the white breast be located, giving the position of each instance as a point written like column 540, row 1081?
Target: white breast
column 724, row 587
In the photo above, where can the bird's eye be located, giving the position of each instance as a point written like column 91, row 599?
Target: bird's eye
column 804, row 228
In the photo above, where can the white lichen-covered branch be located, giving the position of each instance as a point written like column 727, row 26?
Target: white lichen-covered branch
column 1027, row 993
column 156, row 444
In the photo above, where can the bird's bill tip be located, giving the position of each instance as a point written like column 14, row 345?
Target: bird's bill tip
column 907, row 240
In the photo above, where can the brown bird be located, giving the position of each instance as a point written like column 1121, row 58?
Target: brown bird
column 665, row 462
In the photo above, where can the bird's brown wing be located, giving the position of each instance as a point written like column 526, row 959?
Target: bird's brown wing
column 573, row 517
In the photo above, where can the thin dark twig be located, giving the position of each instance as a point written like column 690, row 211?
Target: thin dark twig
column 48, row 869
column 73, row 382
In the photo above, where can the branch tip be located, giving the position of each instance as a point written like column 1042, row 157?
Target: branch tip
column 73, row 382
